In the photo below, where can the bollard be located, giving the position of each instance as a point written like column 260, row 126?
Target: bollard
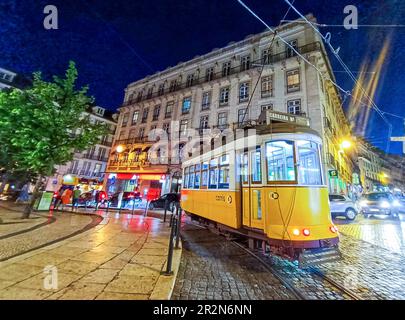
column 178, row 226
column 146, row 209
column 169, row 271
column 166, row 205
column 108, row 206
column 133, row 207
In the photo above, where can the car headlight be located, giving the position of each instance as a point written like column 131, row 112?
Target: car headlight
column 396, row 203
column 385, row 204
column 363, row 203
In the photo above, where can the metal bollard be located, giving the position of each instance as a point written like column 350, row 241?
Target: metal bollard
column 166, row 205
column 178, row 226
column 133, row 206
column 145, row 214
column 169, row 271
column 108, row 205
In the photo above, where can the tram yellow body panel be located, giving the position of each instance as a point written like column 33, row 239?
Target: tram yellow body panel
column 215, row 205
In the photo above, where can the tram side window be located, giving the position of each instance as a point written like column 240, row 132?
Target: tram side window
column 191, row 178
column 213, row 178
column 224, row 172
column 186, row 175
column 309, row 165
column 197, row 176
column 244, row 167
column 204, row 175
column 255, row 158
column 280, row 161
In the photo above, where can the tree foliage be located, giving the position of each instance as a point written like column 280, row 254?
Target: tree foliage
column 43, row 126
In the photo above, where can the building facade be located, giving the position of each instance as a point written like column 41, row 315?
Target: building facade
column 87, row 168
column 10, row 79
column 214, row 90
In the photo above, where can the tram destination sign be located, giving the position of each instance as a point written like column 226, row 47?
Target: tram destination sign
column 286, row 117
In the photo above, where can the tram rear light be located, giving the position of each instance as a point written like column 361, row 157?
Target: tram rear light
column 306, row 232
column 296, row 232
column 334, row 229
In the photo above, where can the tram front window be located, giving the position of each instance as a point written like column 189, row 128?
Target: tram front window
column 280, row 161
column 309, row 167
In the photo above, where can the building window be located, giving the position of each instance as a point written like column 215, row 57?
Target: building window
column 243, row 91
column 224, row 96
column 156, row 112
column 190, row 80
column 267, row 86
column 150, row 92
column 141, row 133
column 173, row 85
column 268, row 106
column 204, row 122
column 290, row 51
column 125, row 119
column 152, row 133
column 169, row 109
column 242, row 116
column 209, row 74
column 122, row 135
column 183, row 127
column 166, row 127
column 185, row 107
column 294, row 106
column 97, row 169
column 135, row 117
column 161, row 89
column 226, row 69
column 222, row 120
column 206, row 100
column 139, row 97
column 245, row 63
column 266, row 55
column 145, row 115
column 293, row 80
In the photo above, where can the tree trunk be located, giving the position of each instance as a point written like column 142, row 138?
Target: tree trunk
column 35, row 195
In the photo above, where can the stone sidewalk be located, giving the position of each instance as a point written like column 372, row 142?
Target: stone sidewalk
column 121, row 258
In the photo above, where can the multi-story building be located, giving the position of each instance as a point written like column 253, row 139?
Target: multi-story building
column 10, row 79
column 87, row 168
column 214, row 90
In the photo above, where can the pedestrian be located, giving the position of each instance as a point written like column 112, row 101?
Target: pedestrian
column 58, row 199
column 97, row 199
column 76, row 196
column 120, row 196
column 66, row 196
column 23, row 196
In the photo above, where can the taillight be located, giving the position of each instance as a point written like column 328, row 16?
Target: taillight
column 306, row 232
column 296, row 232
column 333, row 229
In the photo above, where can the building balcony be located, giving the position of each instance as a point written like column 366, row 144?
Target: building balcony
column 314, row 46
column 131, row 141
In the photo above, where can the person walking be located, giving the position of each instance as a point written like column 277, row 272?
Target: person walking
column 76, row 196
column 66, row 196
column 97, row 199
column 58, row 199
column 23, row 196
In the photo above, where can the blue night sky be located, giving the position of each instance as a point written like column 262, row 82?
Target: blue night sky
column 117, row 42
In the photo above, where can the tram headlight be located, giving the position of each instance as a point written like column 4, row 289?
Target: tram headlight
column 296, row 232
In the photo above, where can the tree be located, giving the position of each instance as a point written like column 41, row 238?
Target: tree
column 43, row 126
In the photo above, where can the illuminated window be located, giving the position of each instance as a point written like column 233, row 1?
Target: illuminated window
column 280, row 161
column 309, row 170
column 267, row 86
column 213, row 176
column 293, row 80
column 197, row 176
column 185, row 108
column 204, row 175
column 255, row 158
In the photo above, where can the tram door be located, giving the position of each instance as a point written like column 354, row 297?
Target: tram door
column 252, row 189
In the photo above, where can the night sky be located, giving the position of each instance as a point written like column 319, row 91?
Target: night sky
column 117, row 42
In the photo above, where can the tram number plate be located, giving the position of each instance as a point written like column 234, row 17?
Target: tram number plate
column 319, row 256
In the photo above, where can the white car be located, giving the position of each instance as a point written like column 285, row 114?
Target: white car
column 341, row 205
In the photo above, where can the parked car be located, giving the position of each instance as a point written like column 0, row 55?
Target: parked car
column 88, row 199
column 379, row 203
column 159, row 203
column 341, row 205
column 127, row 197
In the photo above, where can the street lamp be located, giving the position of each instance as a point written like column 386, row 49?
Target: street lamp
column 346, row 144
column 119, row 148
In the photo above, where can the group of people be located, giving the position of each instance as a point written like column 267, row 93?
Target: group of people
column 67, row 195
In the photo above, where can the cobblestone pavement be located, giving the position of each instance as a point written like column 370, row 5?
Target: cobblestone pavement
column 121, row 258
column 373, row 266
column 213, row 268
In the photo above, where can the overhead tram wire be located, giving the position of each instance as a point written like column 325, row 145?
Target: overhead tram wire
column 347, row 92
column 345, row 67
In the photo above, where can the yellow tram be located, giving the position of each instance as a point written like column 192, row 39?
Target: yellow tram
column 272, row 191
